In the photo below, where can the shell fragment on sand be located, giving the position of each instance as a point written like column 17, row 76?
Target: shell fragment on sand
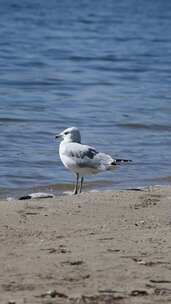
column 37, row 195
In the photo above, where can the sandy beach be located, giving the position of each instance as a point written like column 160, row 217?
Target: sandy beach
column 108, row 247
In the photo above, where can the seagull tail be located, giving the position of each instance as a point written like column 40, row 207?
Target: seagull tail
column 119, row 161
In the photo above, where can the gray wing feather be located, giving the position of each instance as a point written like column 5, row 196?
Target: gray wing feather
column 82, row 151
column 90, row 153
column 84, row 155
column 87, row 156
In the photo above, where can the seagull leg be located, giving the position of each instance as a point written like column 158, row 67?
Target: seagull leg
column 81, row 184
column 76, row 185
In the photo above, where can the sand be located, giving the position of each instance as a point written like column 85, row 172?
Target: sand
column 109, row 247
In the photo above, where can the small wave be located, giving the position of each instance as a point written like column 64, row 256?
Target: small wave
column 10, row 120
column 164, row 178
column 27, row 83
column 154, row 127
column 87, row 185
column 54, row 189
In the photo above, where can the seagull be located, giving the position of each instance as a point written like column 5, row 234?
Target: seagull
column 81, row 159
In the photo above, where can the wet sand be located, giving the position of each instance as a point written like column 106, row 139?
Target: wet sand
column 109, row 247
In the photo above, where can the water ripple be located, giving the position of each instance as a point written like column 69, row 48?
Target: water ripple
column 103, row 66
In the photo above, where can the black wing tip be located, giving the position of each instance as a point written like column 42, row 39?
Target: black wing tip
column 120, row 161
column 25, row 197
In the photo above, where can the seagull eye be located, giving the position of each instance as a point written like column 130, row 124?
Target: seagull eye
column 66, row 133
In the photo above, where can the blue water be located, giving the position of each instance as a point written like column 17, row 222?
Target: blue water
column 103, row 66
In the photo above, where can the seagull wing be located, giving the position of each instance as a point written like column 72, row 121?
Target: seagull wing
column 83, row 155
column 87, row 152
column 87, row 156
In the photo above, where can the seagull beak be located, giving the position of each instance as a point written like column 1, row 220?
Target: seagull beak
column 58, row 135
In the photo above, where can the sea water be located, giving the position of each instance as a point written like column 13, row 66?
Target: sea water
column 103, row 66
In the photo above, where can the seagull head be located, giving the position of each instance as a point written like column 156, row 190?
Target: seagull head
column 70, row 135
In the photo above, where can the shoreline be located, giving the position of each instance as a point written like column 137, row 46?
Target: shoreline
column 67, row 189
column 95, row 247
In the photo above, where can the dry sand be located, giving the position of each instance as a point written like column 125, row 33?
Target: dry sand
column 110, row 247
